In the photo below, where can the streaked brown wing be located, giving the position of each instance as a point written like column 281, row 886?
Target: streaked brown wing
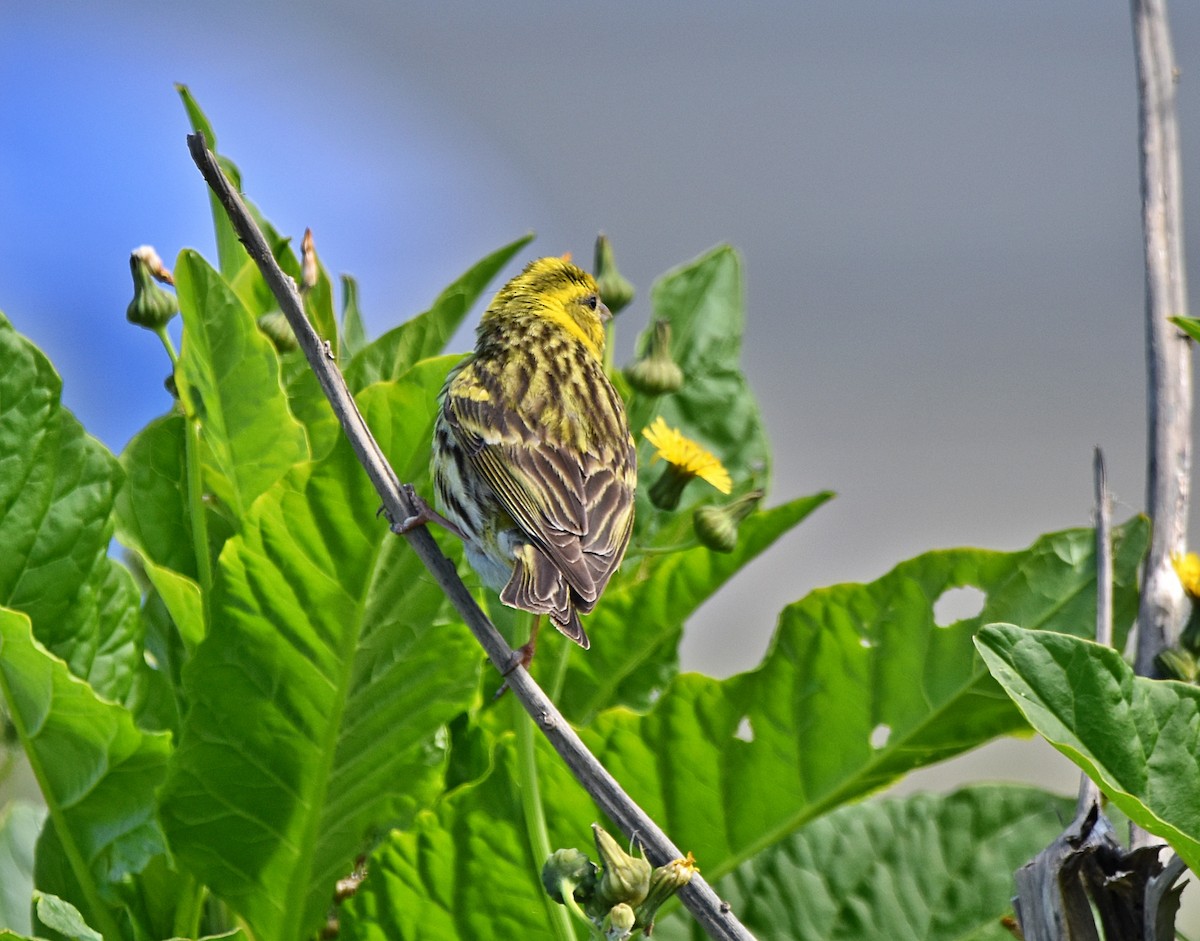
column 580, row 516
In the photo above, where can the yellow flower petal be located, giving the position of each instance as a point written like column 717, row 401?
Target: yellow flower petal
column 672, row 446
column 1187, row 567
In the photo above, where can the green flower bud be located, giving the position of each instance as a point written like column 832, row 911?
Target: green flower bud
column 615, row 290
column 275, row 325
column 655, row 373
column 717, row 526
column 151, row 307
column 665, row 881
column 618, row 923
column 623, row 878
column 569, row 870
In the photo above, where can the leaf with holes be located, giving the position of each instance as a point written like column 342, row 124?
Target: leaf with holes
column 734, row 769
column 860, row 686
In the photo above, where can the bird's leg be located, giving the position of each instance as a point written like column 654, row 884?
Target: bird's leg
column 523, row 655
column 527, row 649
column 424, row 515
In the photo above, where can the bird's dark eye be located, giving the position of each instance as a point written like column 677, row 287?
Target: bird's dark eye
column 591, row 301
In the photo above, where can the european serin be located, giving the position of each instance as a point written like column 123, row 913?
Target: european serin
column 533, row 461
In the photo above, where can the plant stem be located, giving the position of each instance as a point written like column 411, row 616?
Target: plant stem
column 559, row 676
column 531, row 796
column 195, row 488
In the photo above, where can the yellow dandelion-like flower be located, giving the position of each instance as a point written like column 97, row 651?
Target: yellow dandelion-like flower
column 686, row 460
column 1187, row 567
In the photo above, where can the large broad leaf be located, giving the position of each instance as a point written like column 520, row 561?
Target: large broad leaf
column 98, row 772
column 228, row 377
column 860, row 686
column 315, row 701
column 1138, row 739
column 640, row 619
column 20, row 824
column 928, row 867
column 426, row 334
column 703, row 302
column 57, row 487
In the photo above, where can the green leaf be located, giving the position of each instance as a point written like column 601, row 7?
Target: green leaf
column 354, row 332
column 20, row 824
column 703, row 302
column 640, row 619
column 230, row 252
column 733, row 769
column 57, row 487
column 61, row 916
column 316, row 699
column 97, row 771
column 1189, row 325
column 860, row 686
column 426, row 334
column 1138, row 739
column 151, row 509
column 934, row 867
column 181, row 596
column 228, row 377
column 462, row 871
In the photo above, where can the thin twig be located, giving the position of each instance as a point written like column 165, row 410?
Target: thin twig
column 1163, row 608
column 1089, row 792
column 712, row 914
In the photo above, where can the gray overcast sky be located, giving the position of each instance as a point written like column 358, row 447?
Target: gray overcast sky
column 936, row 202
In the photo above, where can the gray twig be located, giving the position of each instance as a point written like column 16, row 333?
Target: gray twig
column 713, row 915
column 1163, row 607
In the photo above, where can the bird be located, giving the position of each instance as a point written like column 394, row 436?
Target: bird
column 533, row 462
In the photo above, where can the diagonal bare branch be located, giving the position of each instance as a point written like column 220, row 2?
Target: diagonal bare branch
column 712, row 914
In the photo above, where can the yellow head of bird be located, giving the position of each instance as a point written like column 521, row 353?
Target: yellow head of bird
column 558, row 291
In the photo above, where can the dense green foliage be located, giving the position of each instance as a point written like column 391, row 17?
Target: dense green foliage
column 270, row 687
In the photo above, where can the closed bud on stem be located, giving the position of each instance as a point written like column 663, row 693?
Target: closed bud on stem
column 275, row 325
column 717, row 526
column 655, row 373
column 615, row 290
column 151, row 307
column 665, row 881
column 569, row 872
column 618, row 923
column 623, row 878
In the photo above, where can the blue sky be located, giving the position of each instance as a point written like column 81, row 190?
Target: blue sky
column 936, row 202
